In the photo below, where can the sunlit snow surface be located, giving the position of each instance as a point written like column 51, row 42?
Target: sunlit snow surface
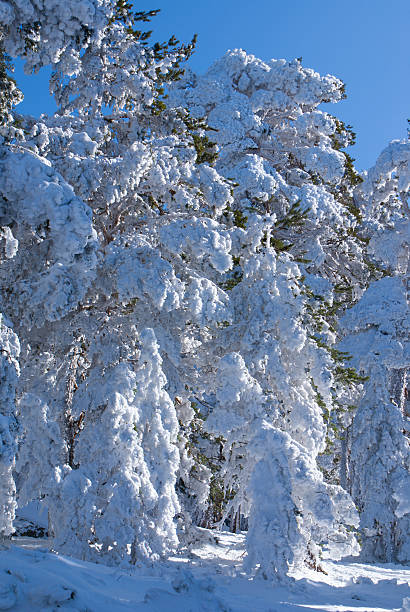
column 207, row 579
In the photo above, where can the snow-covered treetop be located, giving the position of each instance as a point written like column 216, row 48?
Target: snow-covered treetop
column 282, row 154
column 98, row 55
column 268, row 109
column 390, row 176
column 52, row 31
column 277, row 85
column 384, row 196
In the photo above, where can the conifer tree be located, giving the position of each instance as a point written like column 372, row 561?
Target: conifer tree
column 292, row 223
column 378, row 459
column 149, row 202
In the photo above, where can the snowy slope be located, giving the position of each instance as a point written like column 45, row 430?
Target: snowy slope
column 207, row 580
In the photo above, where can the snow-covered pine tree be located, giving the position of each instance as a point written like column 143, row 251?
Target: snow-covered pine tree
column 126, row 493
column 39, row 282
column 10, row 346
column 378, row 458
column 158, row 254
column 292, row 224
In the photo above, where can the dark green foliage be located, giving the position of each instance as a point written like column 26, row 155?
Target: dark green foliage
column 341, row 288
column 343, row 136
column 205, row 148
column 154, row 205
column 295, row 217
column 172, row 48
column 343, row 195
column 315, row 178
column 234, row 279
column 206, row 152
column 30, row 33
column 124, row 13
column 376, row 271
column 348, row 376
column 236, row 216
column 351, row 175
column 277, row 243
column 321, row 315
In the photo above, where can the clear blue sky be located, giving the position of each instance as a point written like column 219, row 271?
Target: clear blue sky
column 366, row 43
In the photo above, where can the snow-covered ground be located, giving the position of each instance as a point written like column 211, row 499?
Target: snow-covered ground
column 209, row 580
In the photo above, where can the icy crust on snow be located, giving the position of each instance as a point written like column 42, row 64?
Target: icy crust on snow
column 37, row 199
column 9, row 371
column 32, row 579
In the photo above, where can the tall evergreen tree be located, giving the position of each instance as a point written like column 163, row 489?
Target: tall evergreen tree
column 378, row 459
